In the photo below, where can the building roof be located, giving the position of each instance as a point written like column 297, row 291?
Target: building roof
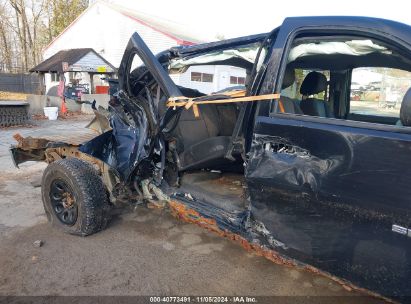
column 72, row 56
column 178, row 32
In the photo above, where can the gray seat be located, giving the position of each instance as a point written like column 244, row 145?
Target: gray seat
column 287, row 104
column 314, row 83
column 405, row 111
column 203, row 141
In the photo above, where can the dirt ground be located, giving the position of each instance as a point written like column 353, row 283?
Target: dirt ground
column 142, row 252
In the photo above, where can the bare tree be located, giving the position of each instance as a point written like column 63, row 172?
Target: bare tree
column 20, row 29
column 37, row 10
column 27, row 26
column 5, row 40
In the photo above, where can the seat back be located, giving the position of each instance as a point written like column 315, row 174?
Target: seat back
column 290, row 105
column 314, row 83
column 315, row 107
column 214, row 120
column 405, row 111
column 287, row 104
column 191, row 129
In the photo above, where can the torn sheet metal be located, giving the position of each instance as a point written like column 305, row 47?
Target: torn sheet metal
column 135, row 138
column 253, row 236
column 124, row 146
column 312, row 185
column 34, row 149
column 283, row 162
column 186, row 214
column 228, row 221
column 100, row 122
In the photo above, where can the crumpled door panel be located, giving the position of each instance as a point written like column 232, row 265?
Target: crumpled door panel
column 333, row 195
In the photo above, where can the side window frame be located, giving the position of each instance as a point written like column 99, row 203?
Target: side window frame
column 136, row 46
column 284, row 42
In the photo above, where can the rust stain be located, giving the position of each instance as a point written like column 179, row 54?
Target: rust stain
column 41, row 142
column 182, row 212
column 228, row 181
column 18, row 137
column 30, row 143
column 186, row 214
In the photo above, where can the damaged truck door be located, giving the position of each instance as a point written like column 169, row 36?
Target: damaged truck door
column 334, row 191
column 136, row 123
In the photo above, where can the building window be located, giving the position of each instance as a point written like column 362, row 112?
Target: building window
column 237, row 80
column 201, row 77
column 195, row 76
column 72, row 76
column 206, row 77
column 54, row 77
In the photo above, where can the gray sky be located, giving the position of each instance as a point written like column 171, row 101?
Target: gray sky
column 243, row 17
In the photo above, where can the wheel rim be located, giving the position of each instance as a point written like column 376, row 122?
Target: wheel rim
column 63, row 202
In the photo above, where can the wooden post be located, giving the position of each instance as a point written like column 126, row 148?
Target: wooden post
column 92, row 91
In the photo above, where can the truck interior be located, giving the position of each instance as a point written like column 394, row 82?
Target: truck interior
column 200, row 146
column 201, row 161
column 318, row 80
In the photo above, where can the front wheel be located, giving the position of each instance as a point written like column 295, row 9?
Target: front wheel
column 74, row 197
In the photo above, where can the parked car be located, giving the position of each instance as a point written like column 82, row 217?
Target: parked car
column 356, row 87
column 75, row 91
column 292, row 179
column 373, row 86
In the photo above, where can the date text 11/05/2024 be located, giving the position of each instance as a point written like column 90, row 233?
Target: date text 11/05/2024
column 205, row 299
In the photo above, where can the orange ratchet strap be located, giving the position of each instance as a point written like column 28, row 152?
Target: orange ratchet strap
column 186, row 102
column 281, row 106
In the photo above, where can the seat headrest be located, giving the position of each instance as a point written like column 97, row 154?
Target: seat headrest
column 289, row 78
column 405, row 111
column 313, row 83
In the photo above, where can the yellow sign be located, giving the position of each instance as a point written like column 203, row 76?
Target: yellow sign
column 101, row 69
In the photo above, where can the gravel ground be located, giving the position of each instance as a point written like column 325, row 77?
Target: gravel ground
column 142, row 252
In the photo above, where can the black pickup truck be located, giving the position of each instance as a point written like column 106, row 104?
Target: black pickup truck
column 304, row 175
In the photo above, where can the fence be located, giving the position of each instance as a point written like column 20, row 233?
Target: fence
column 21, row 83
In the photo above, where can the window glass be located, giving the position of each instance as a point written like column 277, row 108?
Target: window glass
column 293, row 91
column 195, row 76
column 207, row 77
column 201, row 77
column 54, row 77
column 241, row 80
column 237, row 80
column 72, row 76
column 378, row 91
column 367, row 93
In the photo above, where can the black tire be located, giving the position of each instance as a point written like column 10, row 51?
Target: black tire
column 88, row 211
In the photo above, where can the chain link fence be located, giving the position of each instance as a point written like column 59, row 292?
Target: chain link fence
column 21, row 83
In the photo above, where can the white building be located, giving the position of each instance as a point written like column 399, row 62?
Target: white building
column 107, row 28
column 79, row 67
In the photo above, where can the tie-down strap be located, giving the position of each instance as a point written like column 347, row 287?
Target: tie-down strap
column 187, row 102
